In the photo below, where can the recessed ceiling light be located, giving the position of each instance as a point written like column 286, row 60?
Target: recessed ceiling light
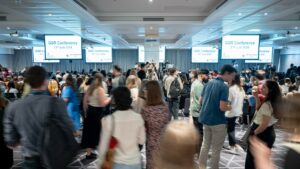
column 50, row 14
column 266, row 14
column 296, row 27
column 8, row 28
column 254, row 30
column 240, row 14
column 150, row 1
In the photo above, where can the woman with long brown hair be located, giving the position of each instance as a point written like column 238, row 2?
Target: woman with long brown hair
column 265, row 117
column 94, row 104
column 156, row 117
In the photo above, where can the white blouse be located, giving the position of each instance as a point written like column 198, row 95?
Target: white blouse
column 129, row 130
column 267, row 110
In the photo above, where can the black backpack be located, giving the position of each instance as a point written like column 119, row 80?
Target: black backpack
column 175, row 90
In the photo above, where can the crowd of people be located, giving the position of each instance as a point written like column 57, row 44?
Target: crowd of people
column 113, row 115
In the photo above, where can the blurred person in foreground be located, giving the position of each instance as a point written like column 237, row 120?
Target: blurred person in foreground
column 289, row 120
column 265, row 118
column 177, row 146
column 25, row 119
column 214, row 100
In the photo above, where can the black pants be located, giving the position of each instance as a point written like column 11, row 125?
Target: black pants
column 268, row 136
column 33, row 163
column 231, row 130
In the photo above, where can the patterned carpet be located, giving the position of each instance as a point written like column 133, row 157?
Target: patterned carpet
column 228, row 160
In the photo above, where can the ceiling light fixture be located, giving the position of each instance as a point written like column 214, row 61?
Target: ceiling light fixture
column 8, row 28
column 150, row 1
column 296, row 28
column 254, row 30
column 151, row 27
column 50, row 14
column 240, row 14
column 266, row 14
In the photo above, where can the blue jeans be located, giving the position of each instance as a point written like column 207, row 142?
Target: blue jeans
column 173, row 108
column 124, row 166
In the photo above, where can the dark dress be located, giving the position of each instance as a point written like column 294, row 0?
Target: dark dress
column 92, row 127
column 156, row 118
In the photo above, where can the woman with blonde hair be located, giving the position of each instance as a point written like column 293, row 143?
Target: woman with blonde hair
column 141, row 100
column 94, row 104
column 133, row 87
column 133, row 75
column 177, row 146
column 156, row 116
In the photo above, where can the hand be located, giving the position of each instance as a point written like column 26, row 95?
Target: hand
column 261, row 153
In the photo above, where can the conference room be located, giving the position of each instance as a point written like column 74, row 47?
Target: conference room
column 221, row 76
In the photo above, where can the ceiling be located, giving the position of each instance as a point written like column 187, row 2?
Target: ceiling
column 129, row 23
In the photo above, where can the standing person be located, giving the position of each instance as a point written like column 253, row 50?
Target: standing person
column 141, row 73
column 118, row 80
column 134, row 90
column 94, row 104
column 141, row 100
column 53, row 86
column 156, row 117
column 25, row 119
column 70, row 97
column 133, row 74
column 128, row 128
column 173, row 87
column 214, row 100
column 151, row 75
column 265, row 118
column 196, row 90
column 236, row 99
column 6, row 153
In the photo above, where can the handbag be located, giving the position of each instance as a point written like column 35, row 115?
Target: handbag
column 113, row 143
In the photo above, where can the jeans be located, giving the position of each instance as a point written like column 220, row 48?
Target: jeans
column 214, row 137
column 231, row 130
column 124, row 166
column 33, row 163
column 268, row 137
column 173, row 108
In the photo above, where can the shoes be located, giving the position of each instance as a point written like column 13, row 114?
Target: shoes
column 91, row 156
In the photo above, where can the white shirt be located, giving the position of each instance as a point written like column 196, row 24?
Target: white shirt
column 236, row 97
column 129, row 130
column 169, row 81
column 12, row 90
column 267, row 110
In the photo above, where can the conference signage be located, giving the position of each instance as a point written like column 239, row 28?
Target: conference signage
column 99, row 55
column 63, row 47
column 162, row 54
column 205, row 55
column 240, row 47
column 141, row 54
column 265, row 55
column 39, row 56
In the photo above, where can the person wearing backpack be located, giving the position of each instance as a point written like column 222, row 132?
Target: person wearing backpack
column 173, row 86
column 40, row 124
